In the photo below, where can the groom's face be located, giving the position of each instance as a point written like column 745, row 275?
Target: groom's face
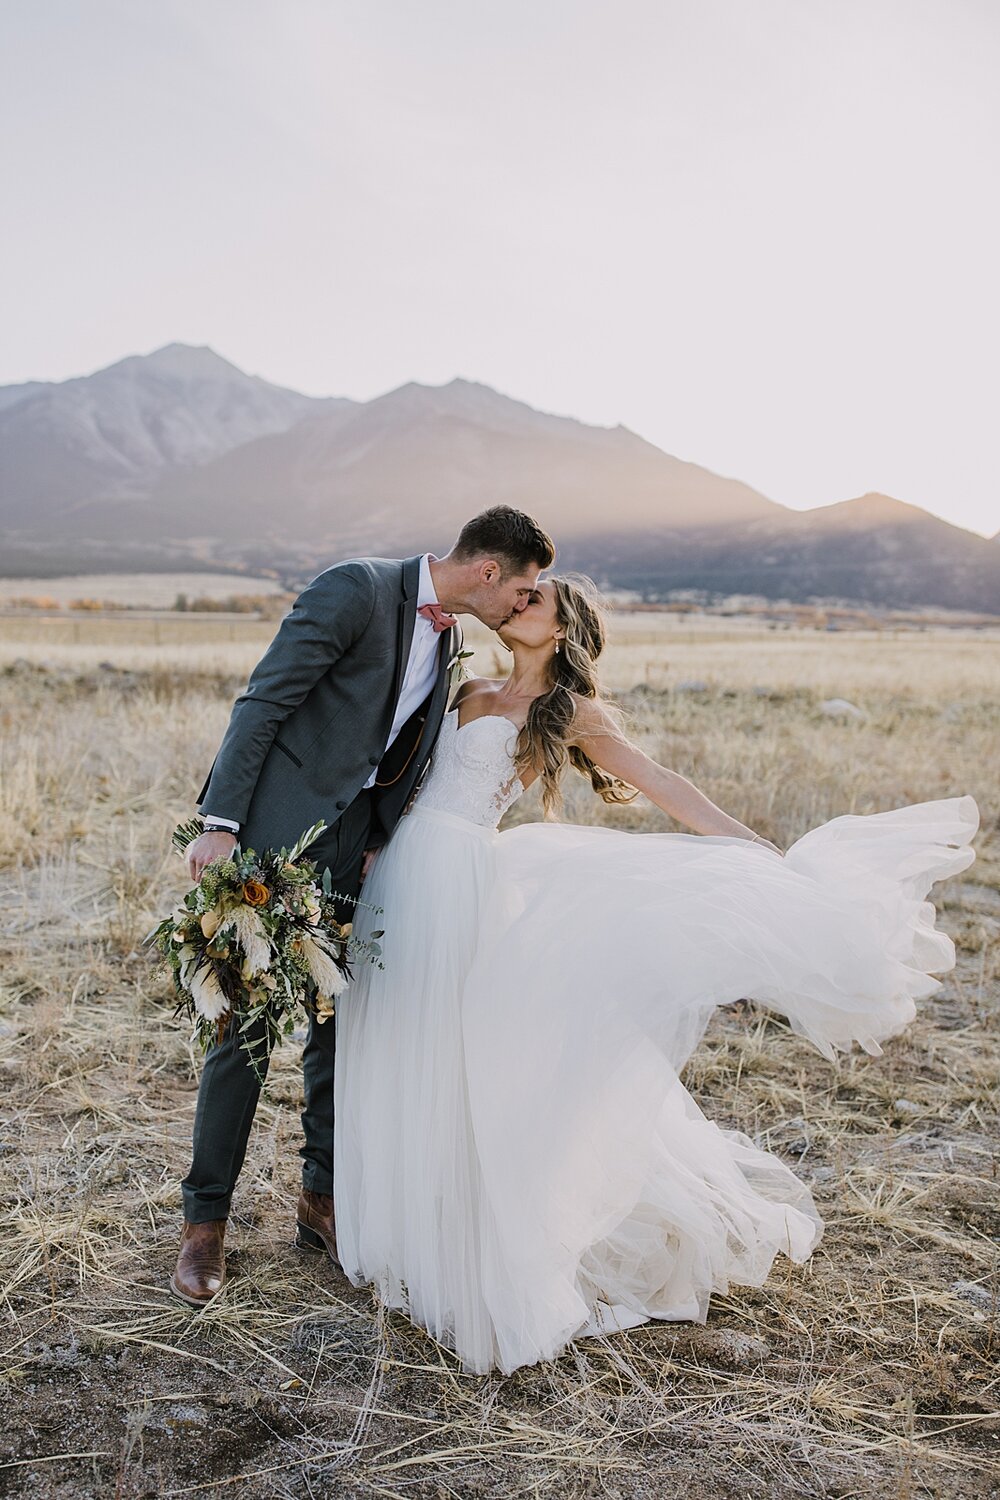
column 499, row 597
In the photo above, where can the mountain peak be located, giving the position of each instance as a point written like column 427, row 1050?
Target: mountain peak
column 871, row 509
column 186, row 361
column 457, row 386
column 473, row 401
column 111, row 434
column 458, row 397
column 876, row 500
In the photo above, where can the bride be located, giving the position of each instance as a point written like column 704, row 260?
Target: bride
column 517, row 1163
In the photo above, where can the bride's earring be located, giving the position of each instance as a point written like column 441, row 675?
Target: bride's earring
column 557, row 648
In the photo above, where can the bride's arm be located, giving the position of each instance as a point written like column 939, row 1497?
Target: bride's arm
column 599, row 737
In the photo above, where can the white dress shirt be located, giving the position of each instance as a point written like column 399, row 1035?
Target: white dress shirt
column 418, row 679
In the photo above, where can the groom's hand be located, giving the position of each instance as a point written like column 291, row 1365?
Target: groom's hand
column 370, row 857
column 208, row 846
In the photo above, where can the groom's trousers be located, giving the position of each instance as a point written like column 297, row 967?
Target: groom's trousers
column 229, row 1090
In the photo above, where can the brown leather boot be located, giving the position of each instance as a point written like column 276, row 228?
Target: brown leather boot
column 201, row 1265
column 316, row 1229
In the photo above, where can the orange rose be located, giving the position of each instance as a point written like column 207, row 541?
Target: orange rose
column 255, row 894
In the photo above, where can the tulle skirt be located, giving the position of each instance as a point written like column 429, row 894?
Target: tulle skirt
column 517, row 1162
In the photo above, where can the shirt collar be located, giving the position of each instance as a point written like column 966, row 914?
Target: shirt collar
column 426, row 593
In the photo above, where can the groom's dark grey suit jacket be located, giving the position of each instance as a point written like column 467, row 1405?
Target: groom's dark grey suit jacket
column 313, row 722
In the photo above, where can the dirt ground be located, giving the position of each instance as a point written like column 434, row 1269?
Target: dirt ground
column 871, row 1371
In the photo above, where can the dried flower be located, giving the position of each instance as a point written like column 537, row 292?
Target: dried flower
column 210, row 922
column 327, row 977
column 252, row 938
column 206, row 992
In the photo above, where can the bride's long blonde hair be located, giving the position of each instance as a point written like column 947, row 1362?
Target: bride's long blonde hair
column 543, row 744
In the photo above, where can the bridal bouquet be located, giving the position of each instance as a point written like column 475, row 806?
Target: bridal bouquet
column 257, row 939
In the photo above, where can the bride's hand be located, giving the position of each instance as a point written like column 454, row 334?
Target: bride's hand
column 371, row 855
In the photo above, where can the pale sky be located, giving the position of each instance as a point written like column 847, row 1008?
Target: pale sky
column 765, row 234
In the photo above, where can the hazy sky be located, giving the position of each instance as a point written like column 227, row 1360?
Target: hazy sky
column 763, row 233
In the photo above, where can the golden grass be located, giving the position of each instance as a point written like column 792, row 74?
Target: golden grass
column 659, row 651
column 873, row 1370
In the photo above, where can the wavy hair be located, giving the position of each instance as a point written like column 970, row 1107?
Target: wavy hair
column 543, row 744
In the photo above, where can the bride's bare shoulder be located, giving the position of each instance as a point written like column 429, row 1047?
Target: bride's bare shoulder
column 592, row 716
column 474, row 687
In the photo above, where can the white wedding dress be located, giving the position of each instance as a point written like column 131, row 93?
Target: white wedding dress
column 516, row 1160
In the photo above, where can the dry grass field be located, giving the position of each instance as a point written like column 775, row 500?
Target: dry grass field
column 873, row 1371
column 154, row 590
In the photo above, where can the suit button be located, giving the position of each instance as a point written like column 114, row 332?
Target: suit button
column 373, row 760
column 341, row 806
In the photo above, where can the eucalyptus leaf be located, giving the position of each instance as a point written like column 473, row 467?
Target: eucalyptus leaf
column 304, row 840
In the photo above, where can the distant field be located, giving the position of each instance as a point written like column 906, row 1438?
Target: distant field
column 151, row 590
column 659, row 651
column 871, row 1371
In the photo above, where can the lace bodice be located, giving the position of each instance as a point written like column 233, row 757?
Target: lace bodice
column 472, row 773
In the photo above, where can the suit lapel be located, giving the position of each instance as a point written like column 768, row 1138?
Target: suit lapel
column 451, row 641
column 407, row 620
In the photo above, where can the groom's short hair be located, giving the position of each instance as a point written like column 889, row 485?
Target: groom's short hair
column 515, row 539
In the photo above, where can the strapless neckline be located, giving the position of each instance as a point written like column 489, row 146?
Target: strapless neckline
column 469, row 722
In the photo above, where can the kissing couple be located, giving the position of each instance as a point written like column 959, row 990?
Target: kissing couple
column 515, row 1162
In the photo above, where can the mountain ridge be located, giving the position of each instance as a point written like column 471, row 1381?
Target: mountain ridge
column 434, row 454
column 181, row 451
column 109, row 434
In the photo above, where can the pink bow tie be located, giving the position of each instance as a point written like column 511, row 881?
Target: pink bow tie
column 438, row 616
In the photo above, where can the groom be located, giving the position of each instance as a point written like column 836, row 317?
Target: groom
column 337, row 724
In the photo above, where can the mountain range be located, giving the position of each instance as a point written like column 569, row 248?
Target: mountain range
column 181, row 457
